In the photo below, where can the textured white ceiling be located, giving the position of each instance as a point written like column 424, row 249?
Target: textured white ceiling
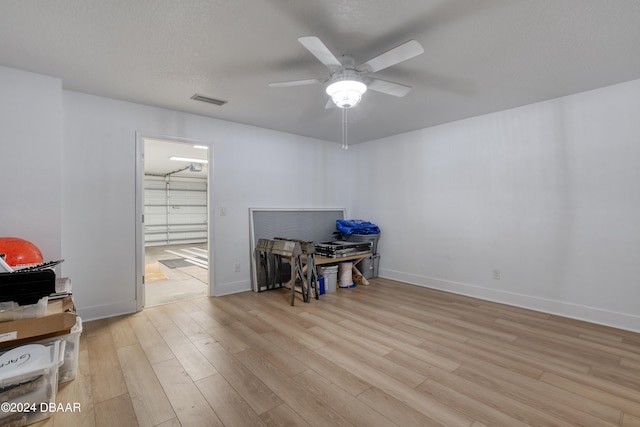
column 480, row 55
column 157, row 154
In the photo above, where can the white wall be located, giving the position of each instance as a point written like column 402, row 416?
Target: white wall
column 30, row 159
column 252, row 167
column 549, row 194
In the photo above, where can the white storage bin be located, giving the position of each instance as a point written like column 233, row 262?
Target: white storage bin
column 29, row 382
column 63, row 285
column 69, row 368
column 10, row 310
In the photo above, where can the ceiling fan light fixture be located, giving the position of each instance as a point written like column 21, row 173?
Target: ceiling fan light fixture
column 346, row 93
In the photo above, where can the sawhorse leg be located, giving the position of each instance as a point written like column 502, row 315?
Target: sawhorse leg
column 312, row 275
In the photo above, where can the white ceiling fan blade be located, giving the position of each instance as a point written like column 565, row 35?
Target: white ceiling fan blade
column 295, row 83
column 320, row 51
column 394, row 56
column 390, row 88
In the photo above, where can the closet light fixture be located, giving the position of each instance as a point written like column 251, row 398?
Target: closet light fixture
column 188, row 159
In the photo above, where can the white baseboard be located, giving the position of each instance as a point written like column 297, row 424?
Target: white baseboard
column 596, row 315
column 108, row 310
column 127, row 307
column 222, row 289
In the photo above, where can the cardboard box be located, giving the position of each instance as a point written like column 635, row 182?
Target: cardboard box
column 61, row 305
column 22, row 331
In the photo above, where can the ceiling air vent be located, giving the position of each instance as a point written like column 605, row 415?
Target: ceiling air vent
column 213, row 101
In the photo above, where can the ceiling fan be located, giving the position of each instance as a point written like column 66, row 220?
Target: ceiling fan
column 348, row 81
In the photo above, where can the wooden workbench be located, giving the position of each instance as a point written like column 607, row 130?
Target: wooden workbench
column 320, row 260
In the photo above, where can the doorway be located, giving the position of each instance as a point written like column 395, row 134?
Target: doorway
column 173, row 198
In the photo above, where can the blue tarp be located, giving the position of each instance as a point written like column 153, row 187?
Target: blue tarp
column 356, row 226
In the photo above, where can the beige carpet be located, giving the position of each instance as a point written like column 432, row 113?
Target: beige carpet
column 152, row 273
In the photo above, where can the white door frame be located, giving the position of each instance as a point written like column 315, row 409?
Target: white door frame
column 139, row 218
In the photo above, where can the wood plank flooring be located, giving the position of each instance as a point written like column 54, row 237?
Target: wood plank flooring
column 388, row 354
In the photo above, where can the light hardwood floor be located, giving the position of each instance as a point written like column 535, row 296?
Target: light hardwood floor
column 178, row 284
column 389, row 354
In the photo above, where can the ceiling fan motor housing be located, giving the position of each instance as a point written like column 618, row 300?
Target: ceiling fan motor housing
column 346, row 88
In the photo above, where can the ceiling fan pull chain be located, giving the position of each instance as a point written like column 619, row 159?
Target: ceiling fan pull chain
column 345, row 140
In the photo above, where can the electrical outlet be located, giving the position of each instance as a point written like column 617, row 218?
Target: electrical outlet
column 496, row 274
column 237, row 266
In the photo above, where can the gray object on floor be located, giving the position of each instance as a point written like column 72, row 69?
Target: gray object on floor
column 176, row 263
